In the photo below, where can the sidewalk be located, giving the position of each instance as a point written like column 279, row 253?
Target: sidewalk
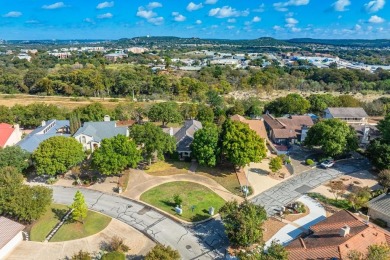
column 295, row 228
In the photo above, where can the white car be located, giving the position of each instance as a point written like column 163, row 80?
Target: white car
column 327, row 163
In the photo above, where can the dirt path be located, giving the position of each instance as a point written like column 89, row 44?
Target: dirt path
column 140, row 182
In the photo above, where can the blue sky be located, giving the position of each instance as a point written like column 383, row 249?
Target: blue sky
column 229, row 19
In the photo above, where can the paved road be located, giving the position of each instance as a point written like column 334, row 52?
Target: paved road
column 202, row 241
column 287, row 191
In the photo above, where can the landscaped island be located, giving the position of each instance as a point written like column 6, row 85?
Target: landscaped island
column 196, row 199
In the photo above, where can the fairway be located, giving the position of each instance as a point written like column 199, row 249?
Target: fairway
column 193, row 194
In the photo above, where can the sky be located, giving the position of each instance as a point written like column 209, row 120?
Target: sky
column 223, row 19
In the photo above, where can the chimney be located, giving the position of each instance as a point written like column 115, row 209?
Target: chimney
column 344, row 231
column 107, row 118
column 43, row 123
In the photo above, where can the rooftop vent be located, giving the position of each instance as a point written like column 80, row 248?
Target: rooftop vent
column 107, row 118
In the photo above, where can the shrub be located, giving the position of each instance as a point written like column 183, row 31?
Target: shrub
column 81, row 255
column 380, row 222
column 114, row 256
column 310, row 162
column 117, row 244
column 177, row 199
column 161, row 252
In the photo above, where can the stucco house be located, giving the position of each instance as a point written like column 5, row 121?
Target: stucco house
column 379, row 208
column 9, row 135
column 91, row 134
column 10, row 236
column 45, row 131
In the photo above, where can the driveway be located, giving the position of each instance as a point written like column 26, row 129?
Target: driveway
column 285, row 192
column 201, row 241
column 294, row 229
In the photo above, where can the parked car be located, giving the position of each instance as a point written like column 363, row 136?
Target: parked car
column 327, row 163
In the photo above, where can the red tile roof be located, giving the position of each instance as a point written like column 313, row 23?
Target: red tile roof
column 254, row 124
column 6, row 131
column 287, row 127
column 326, row 242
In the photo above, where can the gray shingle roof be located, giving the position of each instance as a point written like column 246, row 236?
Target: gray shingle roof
column 347, row 112
column 101, row 130
column 9, row 229
column 381, row 204
column 185, row 135
column 41, row 133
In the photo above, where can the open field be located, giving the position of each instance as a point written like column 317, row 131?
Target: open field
column 224, row 175
column 167, row 168
column 192, row 194
column 93, row 223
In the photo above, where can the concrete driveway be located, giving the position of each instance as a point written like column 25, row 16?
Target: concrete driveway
column 202, row 241
column 287, row 191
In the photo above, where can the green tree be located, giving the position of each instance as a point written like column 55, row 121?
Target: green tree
column 240, row 144
column 94, row 112
column 349, row 101
column 152, row 139
column 11, row 181
column 80, row 208
column 115, row 255
column 161, row 252
column 319, row 102
column 274, row 252
column 57, row 154
column 205, row 145
column 14, row 156
column 166, row 112
column 243, row 222
column 384, row 128
column 188, row 110
column 378, row 151
column 116, row 154
column 30, row 203
column 359, row 197
column 384, row 179
column 378, row 252
column 275, row 164
column 205, row 114
column 334, row 136
column 290, row 104
column 6, row 115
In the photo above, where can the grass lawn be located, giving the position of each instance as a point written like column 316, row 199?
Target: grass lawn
column 166, row 168
column 191, row 193
column 224, row 175
column 340, row 203
column 94, row 223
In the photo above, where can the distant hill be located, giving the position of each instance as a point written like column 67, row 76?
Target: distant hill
column 380, row 43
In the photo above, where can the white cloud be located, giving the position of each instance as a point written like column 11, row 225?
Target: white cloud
column 156, row 20
column 340, row 5
column 374, row 6
column 32, row 21
column 193, row 7
column 214, row 26
column 231, row 27
column 105, row 5
column 54, row 6
column 227, row 11
column 256, row 19
column 88, row 20
column 260, row 9
column 105, row 16
column 198, row 22
column 294, row 29
column 231, row 20
column 13, row 14
column 376, row 19
column 211, row 2
column 357, row 27
column 178, row 17
column 291, row 22
column 277, row 28
column 147, row 14
column 153, row 5
column 283, row 6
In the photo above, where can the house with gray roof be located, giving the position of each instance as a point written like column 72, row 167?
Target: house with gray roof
column 91, row 134
column 47, row 129
column 184, row 137
column 350, row 115
column 10, row 236
column 379, row 208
